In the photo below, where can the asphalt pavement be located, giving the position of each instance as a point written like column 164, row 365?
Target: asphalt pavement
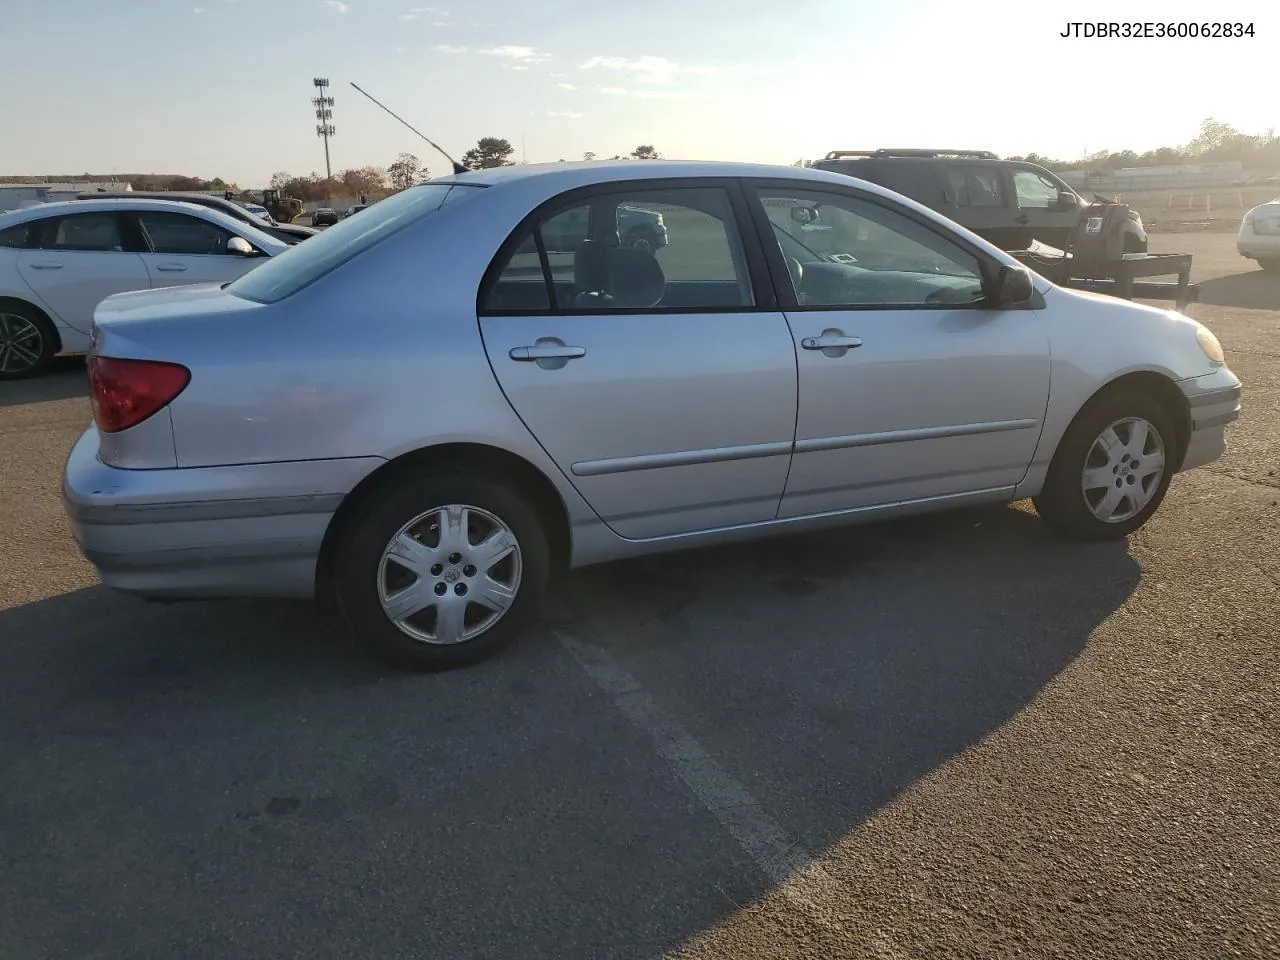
column 957, row 736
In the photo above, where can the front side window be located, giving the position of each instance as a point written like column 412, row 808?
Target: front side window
column 15, row 236
column 653, row 250
column 288, row 272
column 976, row 187
column 1034, row 190
column 179, row 234
column 844, row 251
column 85, row 231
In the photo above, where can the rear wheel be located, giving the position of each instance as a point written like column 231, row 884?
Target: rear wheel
column 1112, row 468
column 28, row 342
column 440, row 571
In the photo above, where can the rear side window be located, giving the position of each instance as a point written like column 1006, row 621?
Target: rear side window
column 84, row 231
column 288, row 272
column 976, row 187
column 649, row 249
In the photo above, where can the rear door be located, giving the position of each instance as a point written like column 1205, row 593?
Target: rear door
column 79, row 261
column 662, row 383
column 979, row 197
column 1040, row 217
column 184, row 248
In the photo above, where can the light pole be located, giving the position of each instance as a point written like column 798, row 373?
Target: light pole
column 324, row 113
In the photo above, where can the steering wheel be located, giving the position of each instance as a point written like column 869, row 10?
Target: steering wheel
column 796, row 269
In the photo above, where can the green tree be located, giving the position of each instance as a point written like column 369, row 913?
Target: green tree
column 645, row 152
column 489, row 152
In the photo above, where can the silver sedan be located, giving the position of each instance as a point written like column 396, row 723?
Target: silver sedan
column 426, row 410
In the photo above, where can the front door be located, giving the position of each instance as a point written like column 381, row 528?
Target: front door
column 910, row 388
column 657, row 381
column 1041, row 215
column 183, row 248
column 80, row 260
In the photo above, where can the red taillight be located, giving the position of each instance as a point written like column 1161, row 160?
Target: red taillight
column 126, row 392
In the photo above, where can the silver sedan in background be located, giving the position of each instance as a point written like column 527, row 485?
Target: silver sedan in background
column 425, row 411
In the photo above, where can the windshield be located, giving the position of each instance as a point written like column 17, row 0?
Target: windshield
column 791, row 247
column 300, row 265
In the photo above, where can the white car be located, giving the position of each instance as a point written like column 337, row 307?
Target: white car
column 258, row 210
column 58, row 261
column 1259, row 236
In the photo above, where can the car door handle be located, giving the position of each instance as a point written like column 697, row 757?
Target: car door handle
column 1024, row 219
column 547, row 351
column 830, row 342
column 46, row 266
column 172, row 267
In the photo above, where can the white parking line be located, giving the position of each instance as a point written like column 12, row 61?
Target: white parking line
column 784, row 862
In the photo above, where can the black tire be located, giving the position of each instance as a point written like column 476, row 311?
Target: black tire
column 1063, row 504
column 1271, row 266
column 357, row 563
column 16, row 349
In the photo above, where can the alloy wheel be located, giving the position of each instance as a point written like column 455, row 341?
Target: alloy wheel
column 1123, row 470
column 21, row 344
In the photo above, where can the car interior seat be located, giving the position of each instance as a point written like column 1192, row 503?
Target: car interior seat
column 636, row 278
column 591, row 275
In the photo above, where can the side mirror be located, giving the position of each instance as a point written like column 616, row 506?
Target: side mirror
column 1066, row 202
column 804, row 214
column 1012, row 286
column 240, row 247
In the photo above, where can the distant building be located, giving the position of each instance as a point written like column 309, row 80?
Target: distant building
column 16, row 196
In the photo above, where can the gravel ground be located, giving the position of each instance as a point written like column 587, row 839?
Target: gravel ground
column 951, row 737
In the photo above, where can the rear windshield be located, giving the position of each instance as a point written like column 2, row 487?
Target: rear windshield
column 288, row 272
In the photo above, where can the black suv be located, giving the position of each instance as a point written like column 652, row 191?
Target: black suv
column 1006, row 202
column 291, row 233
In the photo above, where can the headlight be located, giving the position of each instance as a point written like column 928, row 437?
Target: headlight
column 1210, row 345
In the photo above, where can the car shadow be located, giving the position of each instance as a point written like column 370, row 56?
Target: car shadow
column 239, row 776
column 1255, row 290
column 64, row 379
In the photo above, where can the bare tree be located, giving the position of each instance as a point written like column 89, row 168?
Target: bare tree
column 406, row 171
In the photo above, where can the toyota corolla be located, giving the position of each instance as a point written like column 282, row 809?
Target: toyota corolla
column 422, row 413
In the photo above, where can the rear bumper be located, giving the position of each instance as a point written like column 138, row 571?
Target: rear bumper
column 251, row 530
column 1214, row 400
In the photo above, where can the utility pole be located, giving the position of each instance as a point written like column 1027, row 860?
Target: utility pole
column 324, row 113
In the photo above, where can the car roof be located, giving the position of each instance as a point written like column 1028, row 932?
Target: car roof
column 59, row 207
column 570, row 174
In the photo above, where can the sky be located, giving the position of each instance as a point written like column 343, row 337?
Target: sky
column 222, row 87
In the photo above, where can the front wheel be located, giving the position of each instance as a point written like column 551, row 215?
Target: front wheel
column 439, row 571
column 1112, row 469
